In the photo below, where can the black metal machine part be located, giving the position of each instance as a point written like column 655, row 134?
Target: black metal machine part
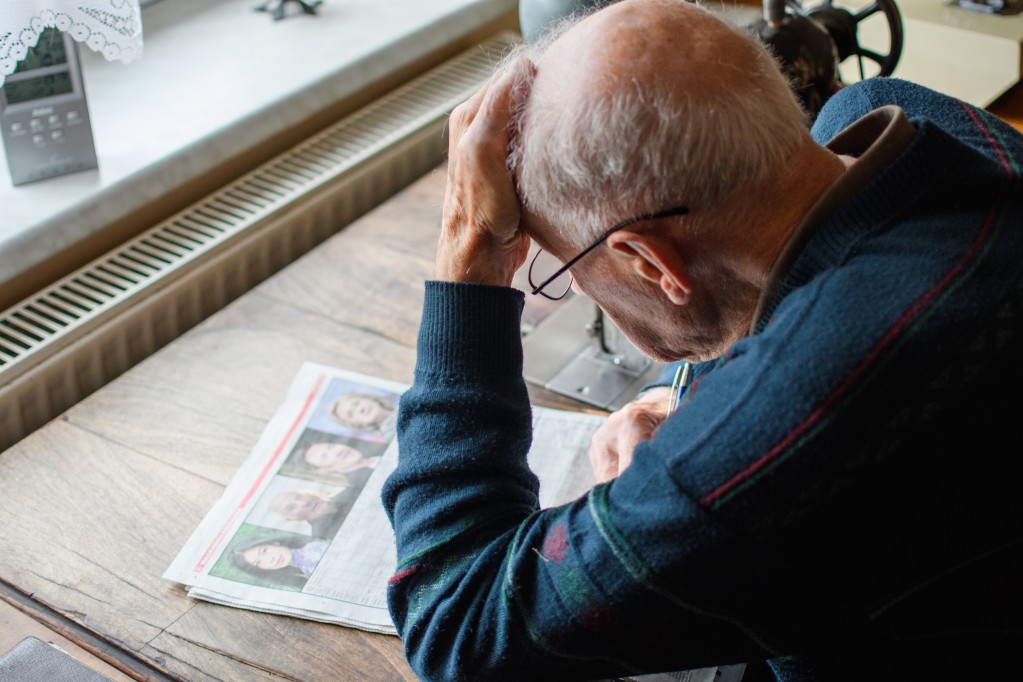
column 811, row 42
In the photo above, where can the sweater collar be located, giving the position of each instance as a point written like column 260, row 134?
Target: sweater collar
column 876, row 139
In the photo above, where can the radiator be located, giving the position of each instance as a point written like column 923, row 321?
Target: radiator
column 66, row 341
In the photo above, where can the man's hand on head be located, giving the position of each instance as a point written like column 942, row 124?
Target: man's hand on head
column 480, row 238
column 614, row 442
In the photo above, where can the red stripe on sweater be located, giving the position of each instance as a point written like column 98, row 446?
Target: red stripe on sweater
column 990, row 138
column 892, row 333
column 402, row 574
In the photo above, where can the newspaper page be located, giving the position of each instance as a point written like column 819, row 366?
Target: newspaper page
column 300, row 529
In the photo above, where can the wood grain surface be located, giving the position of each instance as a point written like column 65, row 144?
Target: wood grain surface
column 16, row 626
column 98, row 502
column 1010, row 106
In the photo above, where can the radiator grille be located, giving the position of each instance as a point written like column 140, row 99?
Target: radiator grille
column 64, row 342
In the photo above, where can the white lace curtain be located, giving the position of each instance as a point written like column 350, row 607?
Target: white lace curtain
column 111, row 27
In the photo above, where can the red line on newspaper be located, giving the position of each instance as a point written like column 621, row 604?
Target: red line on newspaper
column 262, row 475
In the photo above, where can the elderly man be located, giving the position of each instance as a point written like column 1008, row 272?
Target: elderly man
column 836, row 495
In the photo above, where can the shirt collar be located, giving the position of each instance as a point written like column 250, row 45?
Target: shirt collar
column 876, row 140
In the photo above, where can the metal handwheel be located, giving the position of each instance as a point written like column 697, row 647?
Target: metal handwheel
column 811, row 42
column 842, row 26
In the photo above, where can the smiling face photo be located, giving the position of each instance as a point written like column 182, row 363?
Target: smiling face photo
column 343, row 461
column 361, row 411
column 269, row 558
column 348, row 409
column 334, row 457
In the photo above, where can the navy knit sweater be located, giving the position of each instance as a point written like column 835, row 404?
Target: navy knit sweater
column 837, row 495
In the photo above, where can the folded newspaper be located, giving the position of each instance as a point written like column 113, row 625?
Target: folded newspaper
column 300, row 529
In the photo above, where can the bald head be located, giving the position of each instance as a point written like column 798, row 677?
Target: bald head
column 653, row 42
column 644, row 105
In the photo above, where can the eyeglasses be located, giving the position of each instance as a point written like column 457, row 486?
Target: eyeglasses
column 563, row 287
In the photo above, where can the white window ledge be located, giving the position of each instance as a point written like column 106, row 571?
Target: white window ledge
column 214, row 79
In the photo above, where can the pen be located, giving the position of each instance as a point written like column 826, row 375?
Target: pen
column 678, row 384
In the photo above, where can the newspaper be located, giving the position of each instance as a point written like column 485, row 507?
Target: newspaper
column 300, row 529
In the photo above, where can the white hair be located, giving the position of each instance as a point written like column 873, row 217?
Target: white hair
column 585, row 164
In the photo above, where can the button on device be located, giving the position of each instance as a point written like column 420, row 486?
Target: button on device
column 36, row 124
column 57, row 135
column 72, row 116
column 39, row 139
column 54, row 119
column 18, row 127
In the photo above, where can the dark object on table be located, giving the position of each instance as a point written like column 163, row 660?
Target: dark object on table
column 33, row 660
column 1003, row 7
column 277, row 8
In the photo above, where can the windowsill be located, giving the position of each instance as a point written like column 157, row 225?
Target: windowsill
column 215, row 80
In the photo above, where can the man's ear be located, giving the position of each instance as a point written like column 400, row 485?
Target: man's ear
column 655, row 259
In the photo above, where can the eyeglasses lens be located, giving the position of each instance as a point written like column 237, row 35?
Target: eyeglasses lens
column 543, row 266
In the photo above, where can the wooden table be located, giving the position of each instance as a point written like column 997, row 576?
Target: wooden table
column 1010, row 106
column 95, row 505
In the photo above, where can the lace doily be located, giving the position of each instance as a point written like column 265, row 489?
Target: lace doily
column 112, row 27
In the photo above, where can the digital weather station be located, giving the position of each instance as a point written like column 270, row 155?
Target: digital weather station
column 44, row 115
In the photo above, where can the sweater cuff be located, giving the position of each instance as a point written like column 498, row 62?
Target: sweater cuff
column 470, row 331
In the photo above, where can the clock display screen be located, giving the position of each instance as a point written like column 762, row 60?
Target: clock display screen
column 28, row 89
column 48, row 51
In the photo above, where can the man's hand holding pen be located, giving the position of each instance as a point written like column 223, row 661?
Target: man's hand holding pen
column 613, row 444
